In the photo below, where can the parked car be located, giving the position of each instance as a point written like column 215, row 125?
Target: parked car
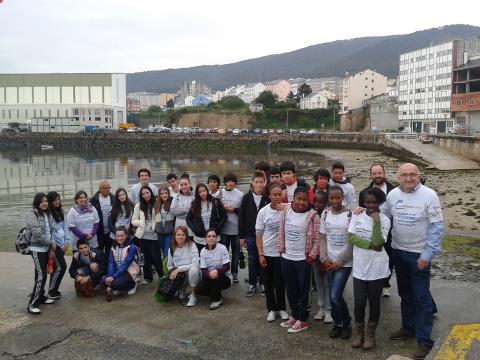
column 257, row 131
column 312, row 132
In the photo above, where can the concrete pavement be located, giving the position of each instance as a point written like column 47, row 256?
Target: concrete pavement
column 139, row 327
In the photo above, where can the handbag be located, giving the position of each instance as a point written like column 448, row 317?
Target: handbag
column 165, row 227
column 169, row 287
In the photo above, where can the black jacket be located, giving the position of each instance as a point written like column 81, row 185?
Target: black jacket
column 247, row 216
column 361, row 197
column 95, row 257
column 218, row 217
column 95, row 201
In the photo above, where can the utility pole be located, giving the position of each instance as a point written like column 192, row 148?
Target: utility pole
column 286, row 125
column 334, row 107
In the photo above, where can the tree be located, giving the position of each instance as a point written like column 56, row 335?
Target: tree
column 231, row 103
column 304, row 90
column 291, row 96
column 170, row 104
column 266, row 98
column 154, row 109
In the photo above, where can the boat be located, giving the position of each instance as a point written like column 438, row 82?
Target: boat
column 47, row 147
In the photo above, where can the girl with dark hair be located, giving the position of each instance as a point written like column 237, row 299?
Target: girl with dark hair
column 206, row 212
column 40, row 226
column 83, row 221
column 62, row 239
column 367, row 232
column 296, row 262
column 164, row 220
column 121, row 213
column 215, row 268
column 181, row 204
column 144, row 220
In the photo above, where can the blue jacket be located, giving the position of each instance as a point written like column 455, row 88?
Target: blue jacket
column 129, row 254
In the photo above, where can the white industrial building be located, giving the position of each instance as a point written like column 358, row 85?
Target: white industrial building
column 89, row 99
column 360, row 87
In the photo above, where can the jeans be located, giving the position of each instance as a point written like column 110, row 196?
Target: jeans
column 274, row 284
column 297, row 283
column 416, row 301
column 254, row 270
column 122, row 283
column 321, row 282
column 235, row 242
column 40, row 260
column 337, row 281
column 165, row 243
column 104, row 245
column 213, row 287
column 59, row 268
column 152, row 253
column 370, row 290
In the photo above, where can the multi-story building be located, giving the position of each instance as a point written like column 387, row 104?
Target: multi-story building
column 280, row 87
column 133, row 105
column 332, row 84
column 192, row 88
column 314, row 101
column 90, row 99
column 251, row 92
column 383, row 112
column 362, row 86
column 146, row 99
column 295, row 84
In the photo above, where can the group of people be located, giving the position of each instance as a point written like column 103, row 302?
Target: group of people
column 289, row 228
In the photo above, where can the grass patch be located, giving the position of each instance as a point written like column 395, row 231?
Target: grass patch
column 462, row 245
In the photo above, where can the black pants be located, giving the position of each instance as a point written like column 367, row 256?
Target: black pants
column 297, row 284
column 104, row 245
column 59, row 268
column 213, row 287
column 274, row 284
column 367, row 290
column 153, row 255
column 388, row 249
column 40, row 260
column 199, row 247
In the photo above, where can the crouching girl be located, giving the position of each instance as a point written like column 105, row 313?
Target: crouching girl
column 122, row 266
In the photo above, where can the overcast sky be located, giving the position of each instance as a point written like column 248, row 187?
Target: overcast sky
column 138, row 35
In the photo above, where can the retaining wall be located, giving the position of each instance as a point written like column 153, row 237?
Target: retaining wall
column 466, row 146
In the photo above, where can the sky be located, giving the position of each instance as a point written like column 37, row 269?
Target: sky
column 127, row 36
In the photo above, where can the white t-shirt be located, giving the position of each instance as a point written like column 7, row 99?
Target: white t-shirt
column 106, row 206
column 215, row 259
column 206, row 213
column 290, row 191
column 411, row 214
column 184, row 258
column 268, row 224
column 369, row 264
column 349, row 198
column 232, row 198
column 257, row 199
column 335, row 227
column 296, row 225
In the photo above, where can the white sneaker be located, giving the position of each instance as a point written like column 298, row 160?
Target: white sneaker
column 132, row 290
column 271, row 316
column 182, row 293
column 216, row 304
column 34, row 310
column 49, row 301
column 386, row 292
column 328, row 317
column 320, row 314
column 284, row 315
column 192, row 301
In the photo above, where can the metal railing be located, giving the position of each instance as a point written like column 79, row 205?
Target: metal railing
column 401, row 136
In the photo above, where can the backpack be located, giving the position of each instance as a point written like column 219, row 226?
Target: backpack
column 170, row 286
column 22, row 242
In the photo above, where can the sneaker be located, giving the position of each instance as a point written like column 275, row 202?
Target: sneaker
column 320, row 314
column 262, row 290
column 284, row 315
column 49, row 301
column 421, row 352
column 346, row 332
column 328, row 317
column 182, row 293
column 271, row 316
column 192, row 301
column 401, row 334
column 132, row 290
column 34, row 310
column 215, row 304
column 251, row 291
column 55, row 295
column 288, row 323
column 335, row 332
column 297, row 327
column 235, row 278
column 386, row 292
column 146, row 281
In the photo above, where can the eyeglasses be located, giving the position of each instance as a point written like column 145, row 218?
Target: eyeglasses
column 411, row 175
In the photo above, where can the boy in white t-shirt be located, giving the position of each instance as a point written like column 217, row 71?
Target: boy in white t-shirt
column 367, row 233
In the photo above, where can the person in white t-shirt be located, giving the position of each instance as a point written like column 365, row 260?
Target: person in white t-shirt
column 339, row 178
column 336, row 255
column 144, row 177
column 215, row 268
column 289, row 179
column 296, row 270
column 368, row 231
column 174, row 186
column 213, row 183
column 267, row 226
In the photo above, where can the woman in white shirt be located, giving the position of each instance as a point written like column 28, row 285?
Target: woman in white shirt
column 215, row 268
column 183, row 258
column 367, row 233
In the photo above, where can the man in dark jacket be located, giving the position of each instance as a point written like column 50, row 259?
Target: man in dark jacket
column 87, row 268
column 102, row 201
column 377, row 175
column 252, row 202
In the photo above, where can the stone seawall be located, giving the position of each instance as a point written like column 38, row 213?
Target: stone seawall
column 466, row 146
column 194, row 142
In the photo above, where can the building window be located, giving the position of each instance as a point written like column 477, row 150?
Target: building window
column 58, row 112
column 66, row 112
column 75, row 111
column 97, row 112
column 471, row 102
column 98, row 118
column 18, row 114
column 459, row 103
column 34, row 113
column 26, row 114
column 9, row 114
column 41, row 113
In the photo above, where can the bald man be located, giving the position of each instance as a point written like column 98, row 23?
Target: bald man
column 417, row 232
column 103, row 201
